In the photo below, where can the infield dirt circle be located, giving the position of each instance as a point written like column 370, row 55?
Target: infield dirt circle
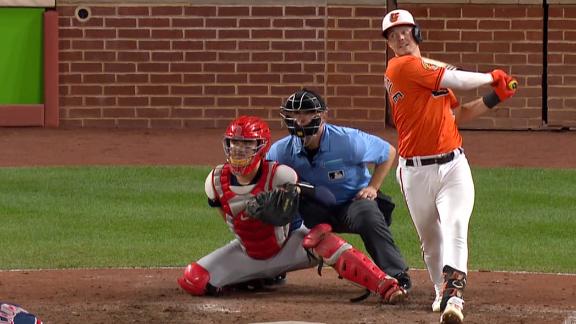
column 152, row 295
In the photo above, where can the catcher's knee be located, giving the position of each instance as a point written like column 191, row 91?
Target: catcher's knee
column 316, row 235
column 324, row 244
column 195, row 279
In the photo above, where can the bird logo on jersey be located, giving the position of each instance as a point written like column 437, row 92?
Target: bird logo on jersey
column 429, row 66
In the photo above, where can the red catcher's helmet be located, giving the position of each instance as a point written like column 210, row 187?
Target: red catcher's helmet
column 246, row 142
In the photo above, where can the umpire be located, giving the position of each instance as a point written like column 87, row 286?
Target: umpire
column 337, row 158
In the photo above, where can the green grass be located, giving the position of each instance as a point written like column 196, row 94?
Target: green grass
column 158, row 216
column 105, row 217
column 524, row 220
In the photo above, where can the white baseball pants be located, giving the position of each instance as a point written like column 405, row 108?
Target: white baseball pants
column 230, row 264
column 440, row 199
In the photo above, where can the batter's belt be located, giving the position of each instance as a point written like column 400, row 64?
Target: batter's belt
column 439, row 159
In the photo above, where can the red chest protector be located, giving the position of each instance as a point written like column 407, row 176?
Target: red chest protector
column 259, row 240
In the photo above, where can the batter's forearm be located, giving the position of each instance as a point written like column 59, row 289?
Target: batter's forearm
column 470, row 111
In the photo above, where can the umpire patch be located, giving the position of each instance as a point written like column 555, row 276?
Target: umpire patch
column 336, row 174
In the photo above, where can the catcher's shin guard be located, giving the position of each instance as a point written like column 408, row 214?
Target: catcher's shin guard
column 454, row 284
column 352, row 264
column 195, row 279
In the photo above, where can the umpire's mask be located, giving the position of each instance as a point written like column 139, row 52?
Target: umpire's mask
column 307, row 104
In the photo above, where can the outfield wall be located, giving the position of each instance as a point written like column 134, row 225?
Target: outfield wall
column 201, row 63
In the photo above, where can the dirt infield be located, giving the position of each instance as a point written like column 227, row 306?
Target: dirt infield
column 152, row 295
column 31, row 146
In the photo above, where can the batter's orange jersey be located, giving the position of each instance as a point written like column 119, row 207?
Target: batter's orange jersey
column 422, row 112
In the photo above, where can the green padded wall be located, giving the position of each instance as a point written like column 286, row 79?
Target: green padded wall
column 21, row 52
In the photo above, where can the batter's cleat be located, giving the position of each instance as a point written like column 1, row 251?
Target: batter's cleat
column 453, row 312
column 436, row 304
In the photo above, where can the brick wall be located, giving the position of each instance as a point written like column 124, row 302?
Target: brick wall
column 562, row 66
column 184, row 66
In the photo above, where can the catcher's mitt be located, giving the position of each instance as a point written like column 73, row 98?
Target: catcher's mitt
column 277, row 207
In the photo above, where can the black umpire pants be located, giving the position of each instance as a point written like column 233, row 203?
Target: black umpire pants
column 362, row 217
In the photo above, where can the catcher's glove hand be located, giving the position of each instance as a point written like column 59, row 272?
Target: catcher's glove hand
column 277, row 207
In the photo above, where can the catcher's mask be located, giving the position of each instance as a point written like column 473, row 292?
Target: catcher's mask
column 246, row 142
column 401, row 17
column 303, row 102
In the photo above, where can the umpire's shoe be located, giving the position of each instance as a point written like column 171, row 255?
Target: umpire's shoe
column 404, row 281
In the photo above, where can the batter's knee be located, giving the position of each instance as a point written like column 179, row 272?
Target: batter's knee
column 195, row 279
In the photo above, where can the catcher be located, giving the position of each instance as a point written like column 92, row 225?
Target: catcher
column 259, row 200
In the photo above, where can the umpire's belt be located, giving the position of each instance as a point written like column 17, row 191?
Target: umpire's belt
column 438, row 159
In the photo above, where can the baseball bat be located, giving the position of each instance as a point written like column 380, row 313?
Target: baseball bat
column 512, row 85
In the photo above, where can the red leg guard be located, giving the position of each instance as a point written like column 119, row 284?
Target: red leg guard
column 195, row 279
column 352, row 264
column 315, row 235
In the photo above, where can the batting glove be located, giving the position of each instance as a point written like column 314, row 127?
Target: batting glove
column 502, row 89
column 498, row 76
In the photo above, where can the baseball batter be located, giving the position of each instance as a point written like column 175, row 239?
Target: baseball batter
column 259, row 201
column 433, row 172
